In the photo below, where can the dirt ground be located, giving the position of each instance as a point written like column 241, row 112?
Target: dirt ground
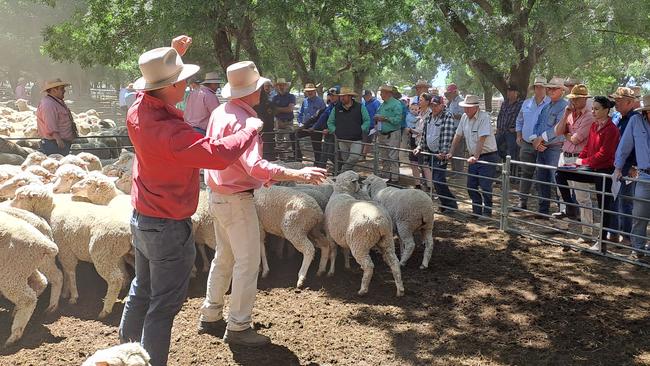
column 487, row 299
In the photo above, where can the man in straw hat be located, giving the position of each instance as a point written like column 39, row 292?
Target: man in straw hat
column 476, row 128
column 165, row 194
column 524, row 126
column 54, row 120
column 636, row 142
column 284, row 102
column 348, row 121
column 202, row 102
column 237, row 255
column 421, row 87
column 547, row 143
column 388, row 123
column 625, row 100
column 310, row 108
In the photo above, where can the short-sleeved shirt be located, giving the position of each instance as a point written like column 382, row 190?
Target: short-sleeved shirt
column 283, row 100
column 477, row 127
column 53, row 116
column 454, row 107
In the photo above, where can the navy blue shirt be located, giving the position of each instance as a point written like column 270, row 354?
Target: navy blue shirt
column 622, row 124
column 280, row 100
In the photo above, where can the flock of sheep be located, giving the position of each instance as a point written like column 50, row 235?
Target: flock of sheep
column 74, row 209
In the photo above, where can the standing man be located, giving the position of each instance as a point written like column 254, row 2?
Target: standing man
column 284, row 102
column 348, row 121
column 54, row 120
column 237, row 255
column 421, row 87
column 321, row 125
column 372, row 105
column 388, row 122
column 165, row 194
column 21, row 90
column 201, row 102
column 311, row 106
column 476, row 128
column 453, row 105
column 547, row 143
column 266, row 113
column 506, row 124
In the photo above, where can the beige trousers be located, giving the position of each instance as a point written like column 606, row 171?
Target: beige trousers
column 390, row 157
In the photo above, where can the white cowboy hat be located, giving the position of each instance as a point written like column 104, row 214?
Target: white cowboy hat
column 53, row 84
column 556, row 83
column 212, row 78
column 470, row 101
column 646, row 104
column 243, row 80
column 162, row 67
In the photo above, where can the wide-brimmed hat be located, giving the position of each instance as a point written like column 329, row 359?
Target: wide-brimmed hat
column 646, row 104
column 470, row 101
column 162, row 67
column 212, row 78
column 387, row 88
column 434, row 91
column 422, row 83
column 309, row 87
column 243, row 80
column 451, row 88
column 539, row 81
column 556, row 83
column 281, row 81
column 571, row 81
column 53, row 84
column 579, row 91
column 623, row 92
column 347, row 91
column 637, row 91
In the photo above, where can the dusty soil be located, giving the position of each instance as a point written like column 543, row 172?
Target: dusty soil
column 487, row 299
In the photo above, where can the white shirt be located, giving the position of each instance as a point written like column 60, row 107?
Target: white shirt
column 477, row 127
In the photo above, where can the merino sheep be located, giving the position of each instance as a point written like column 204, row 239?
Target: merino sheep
column 28, row 258
column 203, row 226
column 76, row 160
column 35, row 158
column 8, row 187
column 8, row 171
column 44, row 174
column 359, row 226
column 82, row 231
column 411, row 211
column 127, row 354
column 123, row 164
column 50, row 164
column 66, row 176
column 93, row 161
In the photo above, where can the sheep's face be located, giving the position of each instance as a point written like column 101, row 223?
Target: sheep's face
column 41, row 172
column 347, row 182
column 57, row 157
column 33, row 198
column 9, row 187
column 124, row 183
column 50, row 164
column 35, row 158
column 373, row 184
column 64, row 182
column 75, row 160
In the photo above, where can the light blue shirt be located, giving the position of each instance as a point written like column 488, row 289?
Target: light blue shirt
column 454, row 108
column 309, row 108
column 411, row 120
column 636, row 137
column 528, row 116
column 550, row 116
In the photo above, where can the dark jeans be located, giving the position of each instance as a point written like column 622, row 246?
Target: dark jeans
column 528, row 155
column 439, row 177
column 316, row 144
column 546, row 177
column 624, row 205
column 328, row 151
column 482, row 201
column 268, row 146
column 164, row 256
column 563, row 176
column 49, row 147
column 507, row 145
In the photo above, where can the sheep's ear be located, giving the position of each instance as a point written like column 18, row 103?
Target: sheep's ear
column 101, row 363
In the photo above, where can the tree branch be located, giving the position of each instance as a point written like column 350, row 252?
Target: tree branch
column 485, row 5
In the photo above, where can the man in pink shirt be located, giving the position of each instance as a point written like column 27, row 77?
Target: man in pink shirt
column 202, row 102
column 237, row 255
column 54, row 121
column 574, row 126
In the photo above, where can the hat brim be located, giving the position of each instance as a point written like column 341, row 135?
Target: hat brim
column 616, row 96
column 350, row 94
column 463, row 104
column 643, row 109
column 187, row 71
column 232, row 93
column 55, row 85
column 556, row 86
column 309, row 89
column 574, row 96
column 211, row 81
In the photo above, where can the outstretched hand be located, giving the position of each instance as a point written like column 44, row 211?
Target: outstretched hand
column 181, row 44
column 312, row 175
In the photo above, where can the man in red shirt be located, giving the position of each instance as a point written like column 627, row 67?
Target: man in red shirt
column 165, row 193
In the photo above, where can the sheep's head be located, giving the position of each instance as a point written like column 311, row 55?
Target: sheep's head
column 124, row 183
column 74, row 159
column 373, row 184
column 347, row 182
column 34, row 158
column 8, row 171
column 96, row 188
column 50, row 164
column 41, row 172
column 92, row 160
column 57, row 157
column 67, row 176
column 9, row 187
column 34, row 198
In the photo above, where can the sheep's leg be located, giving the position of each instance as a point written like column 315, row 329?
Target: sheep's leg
column 265, row 262
column 324, row 245
column 37, row 282
column 127, row 283
column 363, row 258
column 24, row 298
column 279, row 247
column 54, row 276
column 407, row 243
column 333, row 248
column 204, row 257
column 69, row 264
column 305, row 246
column 388, row 253
column 110, row 271
column 346, row 257
column 427, row 234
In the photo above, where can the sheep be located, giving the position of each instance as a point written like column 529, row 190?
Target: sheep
column 204, row 229
column 93, row 161
column 123, row 164
column 50, row 164
column 359, row 226
column 8, row 171
column 8, row 187
column 74, row 159
column 28, row 258
column 12, row 159
column 124, row 182
column 35, row 158
column 66, row 176
column 127, row 354
column 82, row 231
column 411, row 211
column 44, row 174
column 295, row 216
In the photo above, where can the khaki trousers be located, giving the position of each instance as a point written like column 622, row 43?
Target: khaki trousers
column 390, row 157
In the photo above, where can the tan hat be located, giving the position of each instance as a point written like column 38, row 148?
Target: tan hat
column 571, row 81
column 646, row 104
column 281, row 81
column 309, row 87
column 347, row 91
column 212, row 78
column 556, row 83
column 53, row 84
column 470, row 101
column 579, row 91
column 637, row 91
column 162, row 67
column 422, row 83
column 388, row 88
column 243, row 80
column 623, row 92
column 539, row 81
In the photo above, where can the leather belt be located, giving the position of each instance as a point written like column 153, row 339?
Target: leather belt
column 571, row 155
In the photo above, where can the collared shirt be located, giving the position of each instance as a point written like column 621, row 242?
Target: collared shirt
column 248, row 172
column 622, row 124
column 579, row 127
column 283, row 100
column 635, row 140
column 122, row 97
column 528, row 115
column 411, row 120
column 53, row 116
column 473, row 129
column 550, row 115
column 309, row 108
column 322, row 120
column 168, row 155
column 508, row 113
column 601, row 146
column 393, row 110
column 199, row 106
column 454, row 107
column 438, row 132
column 372, row 106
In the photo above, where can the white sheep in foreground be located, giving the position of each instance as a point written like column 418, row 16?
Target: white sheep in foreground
column 93, row 161
column 82, row 231
column 8, row 171
column 123, row 164
column 360, row 226
column 34, row 158
column 297, row 217
column 74, row 159
column 8, row 187
column 44, row 174
column 411, row 211
column 50, row 164
column 28, row 258
column 66, row 176
column 127, row 354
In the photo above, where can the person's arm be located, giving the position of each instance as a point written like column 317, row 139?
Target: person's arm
column 322, row 120
column 625, row 146
column 394, row 114
column 548, row 133
column 446, row 134
column 519, row 124
column 454, row 144
column 365, row 125
column 331, row 120
column 181, row 44
column 561, row 127
column 582, row 132
column 606, row 149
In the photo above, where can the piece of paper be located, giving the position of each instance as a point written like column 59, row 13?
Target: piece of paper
column 372, row 132
column 616, row 186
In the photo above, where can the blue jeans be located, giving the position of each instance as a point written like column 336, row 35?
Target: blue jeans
column 550, row 156
column 482, row 201
column 439, row 178
column 199, row 130
column 641, row 211
column 49, row 147
column 624, row 205
column 164, row 256
column 507, row 145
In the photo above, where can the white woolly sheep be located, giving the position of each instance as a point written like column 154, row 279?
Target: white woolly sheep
column 124, row 182
column 203, row 226
column 50, row 164
column 8, row 171
column 66, row 176
column 74, row 159
column 39, row 171
column 93, row 161
column 124, row 163
column 82, row 231
column 360, row 226
column 8, row 187
column 411, row 211
column 34, row 158
column 28, row 258
column 127, row 354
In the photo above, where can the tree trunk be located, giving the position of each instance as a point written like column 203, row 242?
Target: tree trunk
column 359, row 80
column 222, row 48
column 247, row 40
column 487, row 96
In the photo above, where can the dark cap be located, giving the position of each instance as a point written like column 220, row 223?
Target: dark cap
column 512, row 87
column 436, row 99
column 333, row 90
column 367, row 92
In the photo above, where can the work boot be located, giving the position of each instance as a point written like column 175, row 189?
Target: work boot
column 216, row 328
column 248, row 337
